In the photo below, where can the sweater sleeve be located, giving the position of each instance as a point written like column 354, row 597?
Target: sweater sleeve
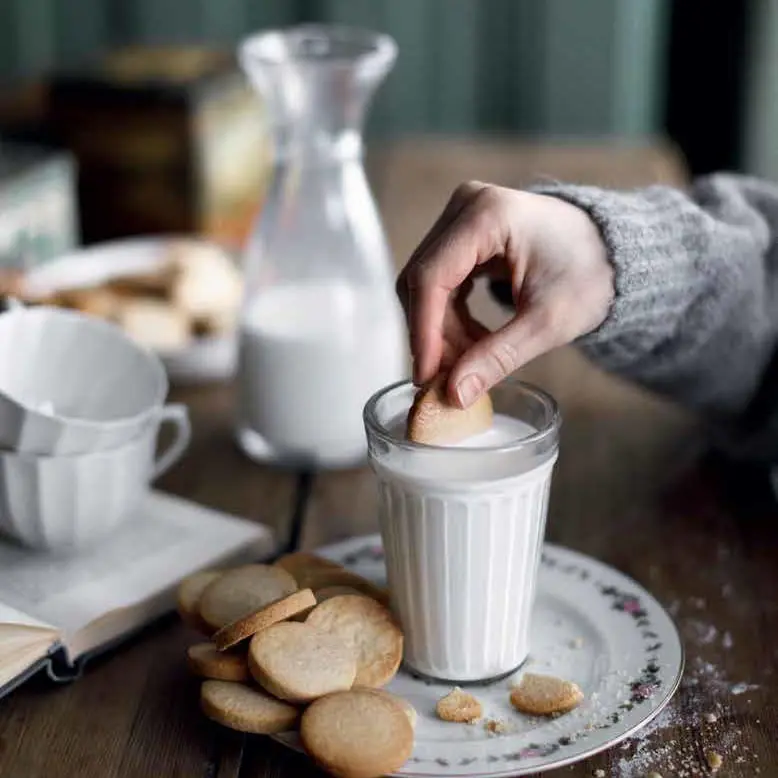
column 695, row 315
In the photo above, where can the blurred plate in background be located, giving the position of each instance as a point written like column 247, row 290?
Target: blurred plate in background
column 177, row 296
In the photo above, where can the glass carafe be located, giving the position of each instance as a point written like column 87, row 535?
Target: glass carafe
column 321, row 328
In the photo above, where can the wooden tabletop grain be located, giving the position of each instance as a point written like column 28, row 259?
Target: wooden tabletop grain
column 632, row 487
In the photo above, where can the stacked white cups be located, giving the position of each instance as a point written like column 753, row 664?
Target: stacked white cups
column 81, row 406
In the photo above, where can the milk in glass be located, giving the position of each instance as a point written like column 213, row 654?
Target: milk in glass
column 463, row 530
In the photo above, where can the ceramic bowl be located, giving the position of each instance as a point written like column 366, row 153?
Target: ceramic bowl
column 69, row 502
column 73, row 384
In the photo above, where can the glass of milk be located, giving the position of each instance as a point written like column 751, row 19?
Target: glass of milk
column 462, row 528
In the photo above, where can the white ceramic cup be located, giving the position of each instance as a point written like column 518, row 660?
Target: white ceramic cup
column 67, row 502
column 73, row 384
column 463, row 531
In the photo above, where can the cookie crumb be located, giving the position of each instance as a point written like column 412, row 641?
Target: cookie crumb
column 714, row 760
column 459, row 706
column 653, row 774
column 496, row 727
column 577, row 643
column 599, row 774
column 710, row 718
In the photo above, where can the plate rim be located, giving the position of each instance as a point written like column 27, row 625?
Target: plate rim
column 572, row 759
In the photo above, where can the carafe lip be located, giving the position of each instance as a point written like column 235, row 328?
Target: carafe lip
column 283, row 46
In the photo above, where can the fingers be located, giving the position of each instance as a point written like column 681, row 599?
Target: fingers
column 460, row 329
column 454, row 206
column 427, row 283
column 501, row 353
column 460, row 197
column 427, row 307
column 457, row 202
column 472, row 330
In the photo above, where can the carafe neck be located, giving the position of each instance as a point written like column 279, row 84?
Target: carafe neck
column 316, row 83
column 305, row 139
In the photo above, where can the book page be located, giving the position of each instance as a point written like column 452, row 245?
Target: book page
column 168, row 539
column 9, row 615
column 23, row 640
column 22, row 647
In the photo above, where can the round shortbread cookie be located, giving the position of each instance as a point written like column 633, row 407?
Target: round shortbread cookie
column 326, row 578
column 300, row 561
column 243, row 590
column 369, row 629
column 207, row 662
column 188, row 596
column 459, row 706
column 357, row 734
column 325, row 594
column 410, row 711
column 328, row 592
column 299, row 663
column 280, row 610
column 433, row 420
column 545, row 695
column 245, row 709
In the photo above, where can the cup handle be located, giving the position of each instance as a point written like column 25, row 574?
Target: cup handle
column 178, row 416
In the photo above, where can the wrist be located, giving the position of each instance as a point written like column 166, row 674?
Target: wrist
column 641, row 253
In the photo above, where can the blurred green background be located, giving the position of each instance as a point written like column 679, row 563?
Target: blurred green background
column 566, row 67
column 703, row 74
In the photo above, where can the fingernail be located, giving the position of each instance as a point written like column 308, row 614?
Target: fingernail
column 468, row 390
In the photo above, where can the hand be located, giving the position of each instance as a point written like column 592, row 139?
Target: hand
column 550, row 251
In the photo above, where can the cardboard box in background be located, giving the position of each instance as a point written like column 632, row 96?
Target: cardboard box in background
column 168, row 140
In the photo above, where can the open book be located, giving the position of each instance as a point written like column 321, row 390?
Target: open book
column 56, row 611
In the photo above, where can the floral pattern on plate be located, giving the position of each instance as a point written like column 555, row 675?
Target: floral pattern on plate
column 591, row 625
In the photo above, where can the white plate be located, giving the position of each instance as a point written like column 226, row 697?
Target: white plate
column 591, row 625
column 206, row 359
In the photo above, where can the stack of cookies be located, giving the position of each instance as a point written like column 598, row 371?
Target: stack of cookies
column 306, row 644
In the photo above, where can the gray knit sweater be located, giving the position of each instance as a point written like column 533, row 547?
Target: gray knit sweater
column 695, row 315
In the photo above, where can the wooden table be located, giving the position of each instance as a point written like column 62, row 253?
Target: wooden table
column 630, row 489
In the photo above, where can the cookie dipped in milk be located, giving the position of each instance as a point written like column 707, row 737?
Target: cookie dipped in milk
column 463, row 496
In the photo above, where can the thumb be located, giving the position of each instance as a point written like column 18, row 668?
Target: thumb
column 501, row 353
